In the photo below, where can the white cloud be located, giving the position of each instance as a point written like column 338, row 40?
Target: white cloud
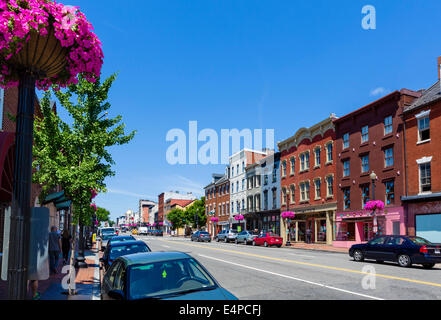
column 379, row 91
column 130, row 194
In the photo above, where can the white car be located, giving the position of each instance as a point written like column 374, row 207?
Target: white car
column 143, row 230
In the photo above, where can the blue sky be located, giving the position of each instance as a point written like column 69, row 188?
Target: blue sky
column 251, row 64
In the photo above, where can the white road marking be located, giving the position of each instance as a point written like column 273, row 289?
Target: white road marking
column 293, row 278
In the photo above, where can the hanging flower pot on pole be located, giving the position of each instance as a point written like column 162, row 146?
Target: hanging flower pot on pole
column 374, row 206
column 287, row 216
column 42, row 43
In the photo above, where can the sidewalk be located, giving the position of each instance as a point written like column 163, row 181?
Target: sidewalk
column 316, row 247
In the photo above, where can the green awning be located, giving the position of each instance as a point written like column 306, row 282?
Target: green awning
column 63, row 205
column 53, row 197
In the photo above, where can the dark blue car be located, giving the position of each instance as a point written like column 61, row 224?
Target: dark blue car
column 119, row 249
column 405, row 250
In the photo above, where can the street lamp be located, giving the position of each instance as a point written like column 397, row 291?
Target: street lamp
column 373, row 177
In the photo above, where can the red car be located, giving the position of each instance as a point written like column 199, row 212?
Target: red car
column 268, row 239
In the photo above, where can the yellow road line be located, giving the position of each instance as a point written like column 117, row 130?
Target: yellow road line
column 311, row 264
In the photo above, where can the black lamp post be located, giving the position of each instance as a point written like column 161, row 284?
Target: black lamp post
column 373, row 177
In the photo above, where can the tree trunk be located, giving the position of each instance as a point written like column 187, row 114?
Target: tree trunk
column 72, row 259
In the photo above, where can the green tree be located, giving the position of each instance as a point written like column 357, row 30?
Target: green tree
column 176, row 217
column 102, row 214
column 74, row 154
column 197, row 209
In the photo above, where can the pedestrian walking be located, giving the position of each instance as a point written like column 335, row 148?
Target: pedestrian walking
column 54, row 249
column 65, row 245
column 308, row 235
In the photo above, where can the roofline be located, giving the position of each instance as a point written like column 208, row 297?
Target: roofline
column 378, row 101
column 250, row 150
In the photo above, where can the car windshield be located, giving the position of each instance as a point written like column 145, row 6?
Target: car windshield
column 108, row 236
column 119, row 251
column 419, row 240
column 116, row 239
column 108, row 230
column 168, row 278
column 272, row 235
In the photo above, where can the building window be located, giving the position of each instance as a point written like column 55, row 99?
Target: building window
column 243, row 166
column 265, row 179
column 274, row 198
column 318, row 186
column 243, row 184
column 228, row 208
column 265, row 200
column 283, row 195
column 232, row 206
column 390, row 192
column 293, row 194
column 346, row 141
column 330, row 181
column 237, row 206
column 423, row 129
column 425, row 178
column 388, row 157
column 347, row 198
column 302, row 162
column 365, row 134
column 387, row 125
column 284, row 168
column 237, row 186
column 237, row 169
column 329, row 152
column 365, row 192
column 365, row 164
column 243, row 204
column 293, row 165
column 304, row 191
column 274, row 175
column 307, row 160
column 317, row 153
column 346, row 170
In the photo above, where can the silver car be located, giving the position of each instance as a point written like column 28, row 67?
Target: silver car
column 227, row 235
column 245, row 237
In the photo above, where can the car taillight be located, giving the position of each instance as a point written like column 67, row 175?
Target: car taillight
column 424, row 249
column 200, row 235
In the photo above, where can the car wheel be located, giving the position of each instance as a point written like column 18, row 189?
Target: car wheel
column 265, row 244
column 358, row 255
column 209, row 240
column 428, row 265
column 279, row 246
column 404, row 261
column 225, row 240
column 217, row 239
column 254, row 243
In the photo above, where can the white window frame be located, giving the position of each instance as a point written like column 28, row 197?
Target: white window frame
column 364, row 135
column 388, row 125
column 345, row 141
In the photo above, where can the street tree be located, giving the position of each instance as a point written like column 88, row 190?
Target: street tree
column 74, row 154
column 102, row 214
column 195, row 214
column 177, row 218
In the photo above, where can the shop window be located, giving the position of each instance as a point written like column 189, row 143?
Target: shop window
column 390, row 192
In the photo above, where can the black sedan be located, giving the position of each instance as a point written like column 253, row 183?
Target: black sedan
column 201, row 236
column 405, row 250
column 119, row 249
column 117, row 239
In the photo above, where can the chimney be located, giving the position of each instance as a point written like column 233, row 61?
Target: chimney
column 439, row 68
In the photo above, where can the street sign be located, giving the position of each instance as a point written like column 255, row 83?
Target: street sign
column 239, row 229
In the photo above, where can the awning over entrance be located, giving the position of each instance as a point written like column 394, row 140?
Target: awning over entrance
column 7, row 143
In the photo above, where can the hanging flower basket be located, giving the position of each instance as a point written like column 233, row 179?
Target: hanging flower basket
column 52, row 41
column 93, row 205
column 374, row 205
column 288, row 215
column 214, row 219
column 239, row 217
column 93, row 192
column 160, row 224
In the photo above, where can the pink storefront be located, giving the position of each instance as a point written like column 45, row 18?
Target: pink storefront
column 361, row 226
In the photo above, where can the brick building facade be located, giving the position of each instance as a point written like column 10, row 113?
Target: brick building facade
column 308, row 168
column 423, row 164
column 217, row 202
column 371, row 139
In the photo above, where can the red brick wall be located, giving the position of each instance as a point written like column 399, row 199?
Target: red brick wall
column 311, row 174
column 161, row 207
column 417, row 151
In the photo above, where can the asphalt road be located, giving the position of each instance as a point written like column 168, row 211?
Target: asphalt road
column 259, row 273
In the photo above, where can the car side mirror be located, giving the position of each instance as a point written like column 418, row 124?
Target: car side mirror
column 116, row 294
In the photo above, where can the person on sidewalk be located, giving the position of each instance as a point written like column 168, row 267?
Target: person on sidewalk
column 54, row 249
column 308, row 235
column 65, row 245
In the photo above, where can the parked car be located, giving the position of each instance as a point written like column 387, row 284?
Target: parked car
column 226, row 235
column 267, row 240
column 119, row 239
column 102, row 231
column 118, row 249
column 105, row 237
column 201, row 236
column 143, row 231
column 156, row 233
column 245, row 237
column 160, row 275
column 405, row 250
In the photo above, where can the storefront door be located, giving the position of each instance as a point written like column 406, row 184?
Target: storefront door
column 310, row 224
column 351, row 231
column 302, row 231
